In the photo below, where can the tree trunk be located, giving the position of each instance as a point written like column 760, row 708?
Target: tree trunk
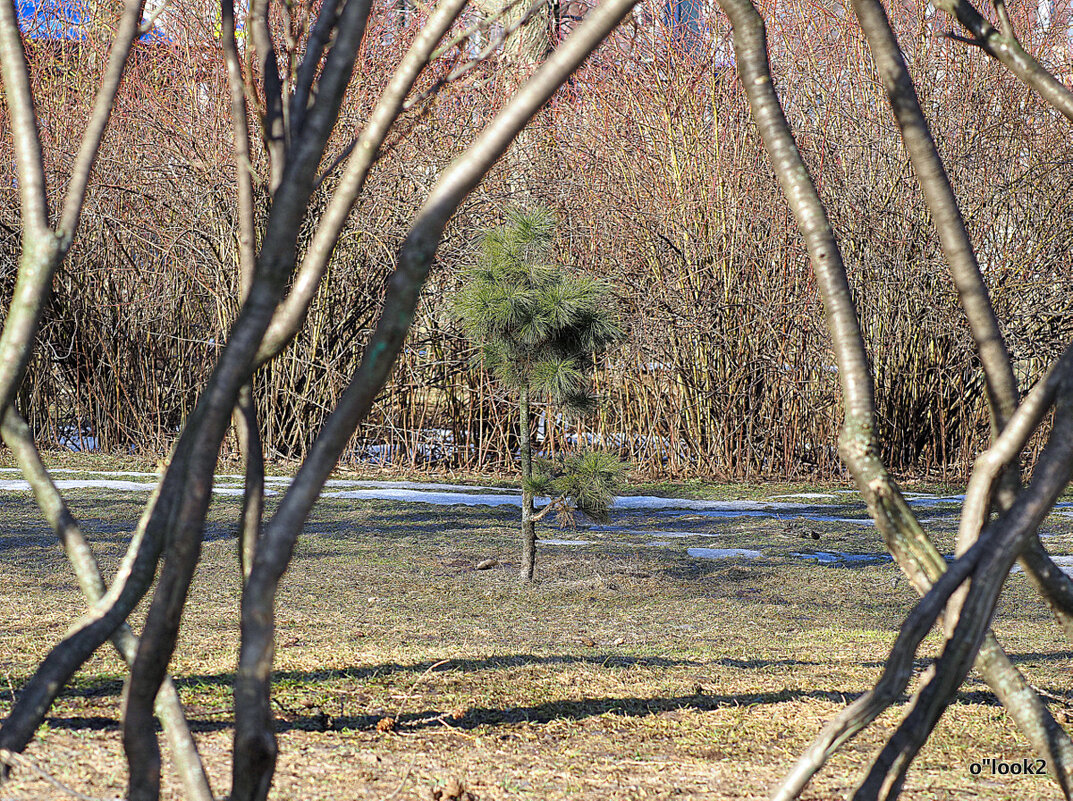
column 528, row 525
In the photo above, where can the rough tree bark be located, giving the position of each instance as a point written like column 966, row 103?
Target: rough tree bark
column 528, row 565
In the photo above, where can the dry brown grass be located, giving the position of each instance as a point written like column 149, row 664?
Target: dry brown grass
column 627, row 672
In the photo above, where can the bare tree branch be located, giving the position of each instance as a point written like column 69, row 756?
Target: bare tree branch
column 497, row 38
column 292, row 312
column 1002, row 542
column 902, row 533
column 1009, row 51
column 931, row 175
column 1005, row 25
column 176, row 511
column 246, row 424
column 1031, row 714
column 326, row 21
column 272, row 123
column 254, row 742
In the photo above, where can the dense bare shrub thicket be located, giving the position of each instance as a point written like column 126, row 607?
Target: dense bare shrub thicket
column 652, row 163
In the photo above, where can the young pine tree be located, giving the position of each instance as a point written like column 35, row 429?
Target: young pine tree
column 540, row 330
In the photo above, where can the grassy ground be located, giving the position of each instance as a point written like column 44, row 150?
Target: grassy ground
column 630, row 671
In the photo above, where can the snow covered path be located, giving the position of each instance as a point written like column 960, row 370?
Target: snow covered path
column 804, row 505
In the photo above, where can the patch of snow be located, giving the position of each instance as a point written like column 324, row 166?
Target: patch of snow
column 934, row 500
column 413, row 485
column 723, row 553
column 860, row 521
column 779, row 515
column 825, row 496
column 87, row 472
column 21, row 485
column 372, row 484
column 564, row 542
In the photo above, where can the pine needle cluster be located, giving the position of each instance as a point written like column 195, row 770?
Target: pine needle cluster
column 588, row 480
column 539, row 328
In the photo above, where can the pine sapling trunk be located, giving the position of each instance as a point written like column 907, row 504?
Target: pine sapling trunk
column 528, row 525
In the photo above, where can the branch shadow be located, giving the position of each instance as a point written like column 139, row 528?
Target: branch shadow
column 319, row 719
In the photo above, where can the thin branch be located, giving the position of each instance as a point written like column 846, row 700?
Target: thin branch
column 272, row 127
column 497, row 39
column 15, row 760
column 455, row 74
column 554, row 505
column 946, row 215
column 17, row 437
column 307, row 146
column 152, row 17
column 1005, row 25
column 246, row 424
column 255, row 746
column 327, row 18
column 1009, row 51
column 404, row 779
column 1009, row 445
column 241, row 132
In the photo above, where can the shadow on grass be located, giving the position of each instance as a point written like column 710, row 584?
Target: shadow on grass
column 101, row 687
column 318, row 719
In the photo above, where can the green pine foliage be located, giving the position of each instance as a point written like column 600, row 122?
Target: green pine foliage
column 589, row 479
column 538, row 327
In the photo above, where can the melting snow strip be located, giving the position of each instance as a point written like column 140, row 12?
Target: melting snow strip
column 934, row 500
column 90, row 472
column 414, row 485
column 435, row 498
